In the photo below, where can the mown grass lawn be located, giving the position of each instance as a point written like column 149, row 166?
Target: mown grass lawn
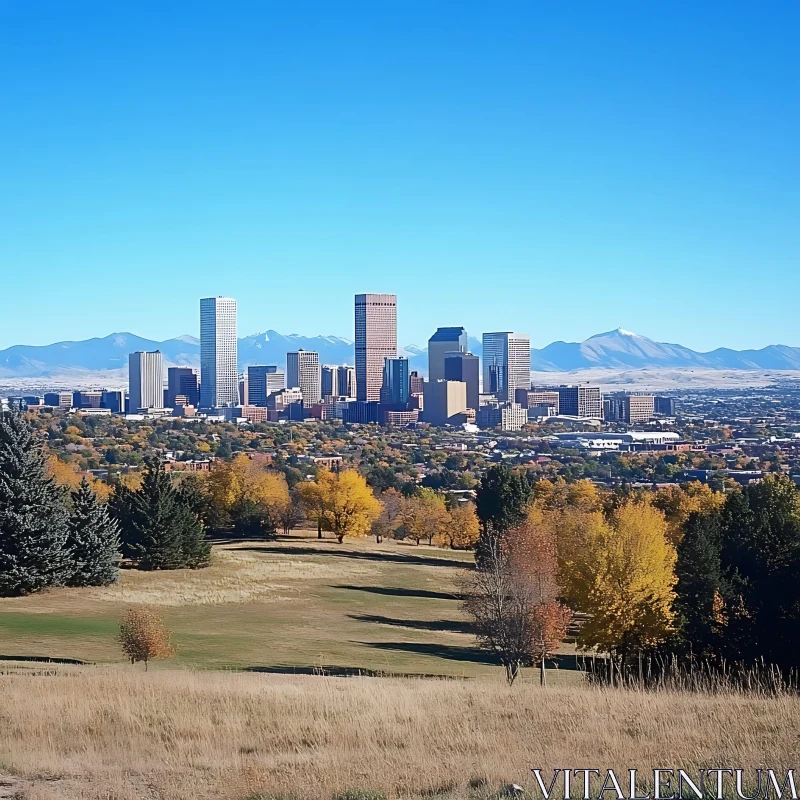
column 296, row 604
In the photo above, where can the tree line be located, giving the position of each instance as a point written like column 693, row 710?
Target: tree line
column 684, row 572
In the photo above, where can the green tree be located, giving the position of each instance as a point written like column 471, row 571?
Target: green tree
column 159, row 529
column 33, row 515
column 698, row 591
column 501, row 500
column 93, row 541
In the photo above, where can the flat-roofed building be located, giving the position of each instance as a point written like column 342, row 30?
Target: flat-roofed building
column 444, row 341
column 506, row 363
column 463, row 366
column 580, row 401
column 303, row 370
column 262, row 381
column 145, row 380
column 444, row 402
column 376, row 340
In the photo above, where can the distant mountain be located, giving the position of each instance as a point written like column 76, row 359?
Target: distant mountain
column 621, row 348
column 615, row 349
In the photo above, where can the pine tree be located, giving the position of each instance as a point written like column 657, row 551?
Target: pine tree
column 501, row 500
column 93, row 541
column 699, row 588
column 159, row 529
column 33, row 515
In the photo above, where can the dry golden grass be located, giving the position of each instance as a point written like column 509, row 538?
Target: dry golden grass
column 113, row 732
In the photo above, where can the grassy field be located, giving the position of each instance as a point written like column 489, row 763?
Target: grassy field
column 292, row 605
column 116, row 733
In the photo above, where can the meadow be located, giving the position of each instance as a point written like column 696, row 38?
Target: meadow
column 293, row 605
column 92, row 733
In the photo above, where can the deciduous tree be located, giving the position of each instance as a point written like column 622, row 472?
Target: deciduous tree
column 143, row 637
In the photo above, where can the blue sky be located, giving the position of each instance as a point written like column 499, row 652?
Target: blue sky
column 555, row 168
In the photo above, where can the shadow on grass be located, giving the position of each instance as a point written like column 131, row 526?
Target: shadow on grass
column 401, row 591
column 450, row 625
column 344, row 672
column 449, row 651
column 44, row 660
column 394, row 558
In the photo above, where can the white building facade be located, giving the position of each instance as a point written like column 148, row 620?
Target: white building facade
column 219, row 373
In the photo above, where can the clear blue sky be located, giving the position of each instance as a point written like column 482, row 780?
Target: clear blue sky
column 557, row 168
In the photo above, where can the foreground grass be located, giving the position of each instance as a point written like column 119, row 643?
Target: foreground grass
column 115, row 732
column 294, row 604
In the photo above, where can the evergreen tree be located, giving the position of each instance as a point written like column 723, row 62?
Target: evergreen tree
column 93, row 541
column 502, row 497
column 699, row 589
column 159, row 528
column 33, row 515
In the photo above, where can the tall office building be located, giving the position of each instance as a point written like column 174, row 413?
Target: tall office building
column 262, row 381
column 219, row 373
column 182, row 382
column 580, row 401
column 145, row 380
column 460, row 366
column 302, row 369
column 114, row 401
column 376, row 340
column 445, row 340
column 346, row 381
column 506, row 363
column 396, row 386
column 330, row 381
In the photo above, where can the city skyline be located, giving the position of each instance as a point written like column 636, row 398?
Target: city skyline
column 612, row 164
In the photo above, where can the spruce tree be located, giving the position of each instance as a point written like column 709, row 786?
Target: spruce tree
column 33, row 515
column 93, row 541
column 159, row 528
column 500, row 502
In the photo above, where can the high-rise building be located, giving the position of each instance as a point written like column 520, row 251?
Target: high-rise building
column 462, row 366
column 444, row 341
column 445, row 402
column 145, row 380
column 506, row 416
column 376, row 339
column 114, row 401
column 533, row 398
column 629, row 408
column 219, row 373
column 506, row 363
column 417, row 383
column 87, row 399
column 302, row 369
column 182, row 382
column 580, row 401
column 395, row 390
column 262, row 381
column 58, row 399
column 329, row 384
column 346, row 381
column 664, row 406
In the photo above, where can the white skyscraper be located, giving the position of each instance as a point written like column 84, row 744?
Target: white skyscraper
column 506, row 363
column 219, row 374
column 145, row 380
column 302, row 369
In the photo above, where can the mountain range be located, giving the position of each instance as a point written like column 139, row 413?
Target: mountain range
column 615, row 349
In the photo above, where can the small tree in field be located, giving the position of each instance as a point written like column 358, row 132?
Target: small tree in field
column 143, row 636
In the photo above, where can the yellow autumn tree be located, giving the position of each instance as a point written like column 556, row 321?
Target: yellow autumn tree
column 625, row 581
column 243, row 484
column 462, row 530
column 68, row 474
column 425, row 516
column 350, row 507
column 679, row 502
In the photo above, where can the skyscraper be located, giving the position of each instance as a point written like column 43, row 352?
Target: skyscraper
column 302, row 369
column 262, row 381
column 445, row 340
column 580, row 401
column 376, row 340
column 330, row 381
column 182, row 382
column 219, row 374
column 506, row 363
column 346, row 381
column 395, row 388
column 465, row 367
column 145, row 380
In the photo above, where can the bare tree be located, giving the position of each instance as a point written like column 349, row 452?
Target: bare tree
column 512, row 599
